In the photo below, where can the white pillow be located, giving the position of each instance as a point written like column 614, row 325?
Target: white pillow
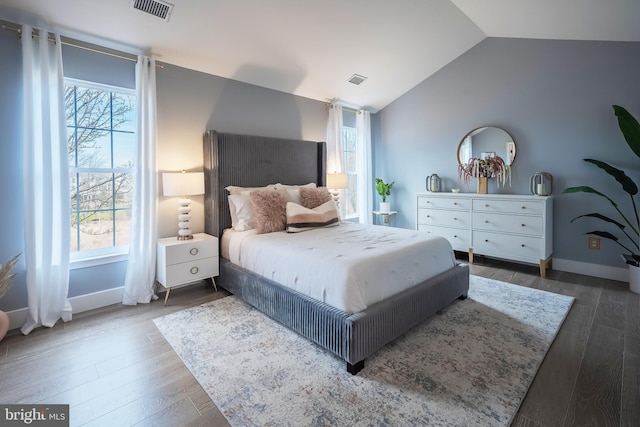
column 232, row 189
column 241, row 212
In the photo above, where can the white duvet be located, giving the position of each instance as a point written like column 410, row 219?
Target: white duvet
column 349, row 267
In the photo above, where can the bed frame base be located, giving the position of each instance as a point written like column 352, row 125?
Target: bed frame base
column 355, row 368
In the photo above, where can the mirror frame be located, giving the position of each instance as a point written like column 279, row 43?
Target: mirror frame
column 513, row 158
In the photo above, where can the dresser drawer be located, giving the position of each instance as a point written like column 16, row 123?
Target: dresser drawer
column 441, row 217
column 191, row 250
column 443, row 203
column 509, row 206
column 517, row 224
column 458, row 238
column 509, row 246
column 192, row 271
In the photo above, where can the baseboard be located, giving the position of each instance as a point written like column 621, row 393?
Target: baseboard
column 596, row 270
column 81, row 303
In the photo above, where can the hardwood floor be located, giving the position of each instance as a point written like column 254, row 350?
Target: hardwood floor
column 113, row 367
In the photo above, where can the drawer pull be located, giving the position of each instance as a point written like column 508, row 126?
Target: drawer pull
column 455, row 236
column 455, row 219
column 193, row 251
column 455, row 203
column 522, row 245
column 486, row 240
column 486, row 221
column 486, row 206
column 523, row 225
column 194, row 270
column 524, row 207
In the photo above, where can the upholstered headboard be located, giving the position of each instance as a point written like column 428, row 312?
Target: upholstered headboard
column 254, row 161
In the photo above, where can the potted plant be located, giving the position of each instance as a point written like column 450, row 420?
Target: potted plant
column 384, row 190
column 631, row 241
column 5, row 281
column 483, row 169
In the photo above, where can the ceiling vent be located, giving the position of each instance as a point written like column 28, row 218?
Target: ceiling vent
column 159, row 9
column 356, row 79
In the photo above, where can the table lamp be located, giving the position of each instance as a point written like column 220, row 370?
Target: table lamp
column 183, row 184
column 335, row 183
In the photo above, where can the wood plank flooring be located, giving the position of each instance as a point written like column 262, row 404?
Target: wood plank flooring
column 115, row 368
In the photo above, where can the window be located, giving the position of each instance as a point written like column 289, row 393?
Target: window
column 349, row 199
column 101, row 127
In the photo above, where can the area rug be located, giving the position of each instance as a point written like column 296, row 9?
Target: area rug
column 472, row 364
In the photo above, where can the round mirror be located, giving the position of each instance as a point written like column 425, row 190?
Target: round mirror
column 488, row 141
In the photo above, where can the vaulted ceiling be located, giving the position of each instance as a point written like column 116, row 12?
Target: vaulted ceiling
column 311, row 47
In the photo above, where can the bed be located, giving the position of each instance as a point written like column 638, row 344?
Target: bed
column 253, row 161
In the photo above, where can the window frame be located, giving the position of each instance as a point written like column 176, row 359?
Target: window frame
column 98, row 256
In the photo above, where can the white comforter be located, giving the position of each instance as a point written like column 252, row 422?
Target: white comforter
column 349, row 267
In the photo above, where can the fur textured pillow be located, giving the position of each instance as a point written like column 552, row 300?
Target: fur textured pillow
column 313, row 197
column 269, row 209
column 300, row 218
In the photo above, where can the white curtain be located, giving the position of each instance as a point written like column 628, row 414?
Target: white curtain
column 139, row 280
column 46, row 181
column 363, row 166
column 334, row 139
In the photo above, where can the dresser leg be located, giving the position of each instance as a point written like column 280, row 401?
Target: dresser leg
column 470, row 255
column 166, row 296
column 213, row 280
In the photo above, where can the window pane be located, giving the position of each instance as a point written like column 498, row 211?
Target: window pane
column 96, row 191
column 95, row 153
column 96, row 230
column 123, row 227
column 123, row 190
column 93, row 108
column 124, row 112
column 123, row 149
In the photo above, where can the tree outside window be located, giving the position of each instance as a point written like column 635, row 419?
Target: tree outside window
column 101, row 127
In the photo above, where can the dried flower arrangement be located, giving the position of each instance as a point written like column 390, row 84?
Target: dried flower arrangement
column 6, row 274
column 491, row 167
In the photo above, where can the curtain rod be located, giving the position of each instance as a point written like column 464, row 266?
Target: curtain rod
column 330, row 105
column 66, row 43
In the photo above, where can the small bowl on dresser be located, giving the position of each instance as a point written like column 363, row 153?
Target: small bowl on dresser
column 455, row 190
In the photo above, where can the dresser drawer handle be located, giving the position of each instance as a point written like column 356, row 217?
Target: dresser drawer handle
column 455, row 236
column 455, row 203
column 486, row 240
column 455, row 219
column 194, row 270
column 523, row 225
column 486, row 221
column 524, row 207
column 486, row 206
column 522, row 245
column 193, row 251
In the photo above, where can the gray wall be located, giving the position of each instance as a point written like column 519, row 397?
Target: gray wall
column 189, row 103
column 553, row 97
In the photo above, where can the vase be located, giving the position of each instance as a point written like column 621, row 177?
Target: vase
column 634, row 279
column 385, row 207
column 483, row 185
column 4, row 324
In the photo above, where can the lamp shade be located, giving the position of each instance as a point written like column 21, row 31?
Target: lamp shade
column 336, row 181
column 182, row 183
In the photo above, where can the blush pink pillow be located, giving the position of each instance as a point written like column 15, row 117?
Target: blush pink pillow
column 311, row 198
column 269, row 209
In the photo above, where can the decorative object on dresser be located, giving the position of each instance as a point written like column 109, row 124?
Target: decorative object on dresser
column 541, row 184
column 335, row 183
column 630, row 129
column 183, row 184
column 433, row 183
column 386, row 217
column 185, row 261
column 384, row 190
column 512, row 227
column 486, row 152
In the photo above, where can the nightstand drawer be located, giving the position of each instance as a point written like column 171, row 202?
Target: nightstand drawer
column 186, row 272
column 190, row 250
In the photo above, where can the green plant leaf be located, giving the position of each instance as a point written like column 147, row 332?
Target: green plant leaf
column 602, row 217
column 587, row 189
column 629, row 127
column 627, row 183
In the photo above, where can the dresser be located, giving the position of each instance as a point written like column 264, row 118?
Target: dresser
column 185, row 261
column 507, row 226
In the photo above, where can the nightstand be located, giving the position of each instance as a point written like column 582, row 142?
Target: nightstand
column 384, row 218
column 185, row 261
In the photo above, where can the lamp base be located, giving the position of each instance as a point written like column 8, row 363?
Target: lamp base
column 189, row 237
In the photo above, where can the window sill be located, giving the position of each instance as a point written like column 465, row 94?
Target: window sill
column 102, row 259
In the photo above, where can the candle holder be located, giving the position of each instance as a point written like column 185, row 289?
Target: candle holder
column 541, row 184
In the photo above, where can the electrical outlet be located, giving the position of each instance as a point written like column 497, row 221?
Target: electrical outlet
column 594, row 243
